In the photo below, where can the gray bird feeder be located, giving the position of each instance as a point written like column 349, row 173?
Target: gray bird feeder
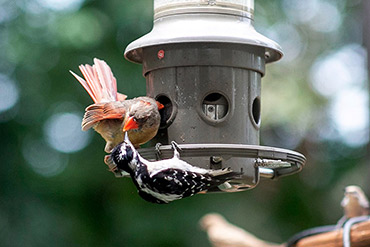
column 204, row 61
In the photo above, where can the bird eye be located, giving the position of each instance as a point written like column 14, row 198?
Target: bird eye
column 142, row 120
column 129, row 153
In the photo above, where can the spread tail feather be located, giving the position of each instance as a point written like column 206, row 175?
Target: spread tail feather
column 99, row 82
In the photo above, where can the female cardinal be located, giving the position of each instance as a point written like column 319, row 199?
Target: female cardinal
column 111, row 115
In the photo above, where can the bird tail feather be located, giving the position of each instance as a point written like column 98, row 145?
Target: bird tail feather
column 225, row 174
column 99, row 82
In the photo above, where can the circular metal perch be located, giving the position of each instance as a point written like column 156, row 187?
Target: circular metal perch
column 269, row 162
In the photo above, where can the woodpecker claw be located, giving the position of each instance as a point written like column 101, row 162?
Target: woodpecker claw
column 175, row 146
column 111, row 166
column 158, row 151
column 176, row 149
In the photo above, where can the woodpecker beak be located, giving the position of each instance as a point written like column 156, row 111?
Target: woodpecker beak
column 127, row 140
column 160, row 106
column 130, row 124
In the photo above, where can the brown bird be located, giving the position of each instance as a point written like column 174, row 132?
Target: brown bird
column 221, row 233
column 112, row 115
column 355, row 202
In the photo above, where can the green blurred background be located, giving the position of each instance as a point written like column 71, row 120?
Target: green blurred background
column 55, row 189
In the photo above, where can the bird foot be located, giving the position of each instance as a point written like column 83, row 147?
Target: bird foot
column 176, row 149
column 157, row 146
column 111, row 166
column 158, row 151
column 175, row 146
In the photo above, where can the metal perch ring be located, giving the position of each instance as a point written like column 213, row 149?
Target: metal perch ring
column 271, row 162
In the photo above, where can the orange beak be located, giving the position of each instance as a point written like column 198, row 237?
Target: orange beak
column 160, row 106
column 130, row 124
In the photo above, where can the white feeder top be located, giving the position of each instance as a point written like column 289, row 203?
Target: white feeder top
column 243, row 8
column 198, row 21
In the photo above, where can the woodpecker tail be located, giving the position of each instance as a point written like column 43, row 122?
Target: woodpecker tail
column 225, row 174
column 99, row 82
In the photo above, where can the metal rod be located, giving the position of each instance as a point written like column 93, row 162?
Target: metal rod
column 347, row 228
column 266, row 172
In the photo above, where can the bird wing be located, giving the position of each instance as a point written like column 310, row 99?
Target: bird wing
column 180, row 182
column 101, row 111
column 174, row 163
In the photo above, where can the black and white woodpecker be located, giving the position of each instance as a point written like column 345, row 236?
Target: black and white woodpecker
column 166, row 180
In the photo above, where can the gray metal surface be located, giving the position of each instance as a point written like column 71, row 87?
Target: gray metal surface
column 189, row 74
column 192, row 76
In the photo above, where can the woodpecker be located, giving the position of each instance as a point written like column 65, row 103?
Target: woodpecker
column 166, row 180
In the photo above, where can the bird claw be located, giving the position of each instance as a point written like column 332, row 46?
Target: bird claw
column 176, row 149
column 157, row 146
column 111, row 166
column 158, row 151
column 175, row 146
column 109, row 162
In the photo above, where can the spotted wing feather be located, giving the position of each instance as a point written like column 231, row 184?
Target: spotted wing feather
column 172, row 184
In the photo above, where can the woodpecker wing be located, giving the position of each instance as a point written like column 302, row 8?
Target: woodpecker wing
column 173, row 184
column 174, row 163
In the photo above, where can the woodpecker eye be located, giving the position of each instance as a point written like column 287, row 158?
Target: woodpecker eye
column 129, row 154
column 124, row 157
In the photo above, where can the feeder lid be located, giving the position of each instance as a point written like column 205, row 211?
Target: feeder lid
column 201, row 28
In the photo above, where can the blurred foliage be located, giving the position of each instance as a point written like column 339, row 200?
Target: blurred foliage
column 50, row 197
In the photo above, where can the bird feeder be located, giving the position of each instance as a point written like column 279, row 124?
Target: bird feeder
column 204, row 61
